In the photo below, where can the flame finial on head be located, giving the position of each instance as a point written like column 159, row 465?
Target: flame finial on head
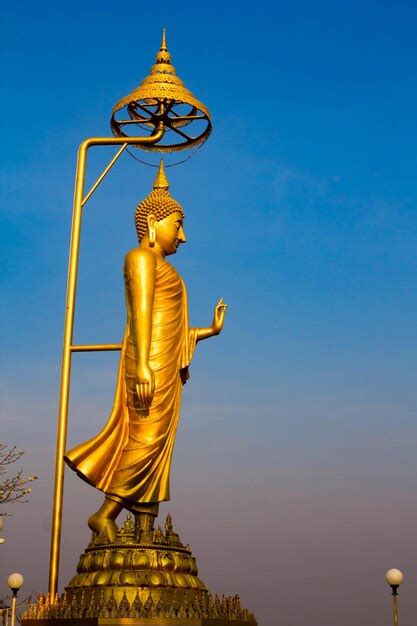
column 161, row 181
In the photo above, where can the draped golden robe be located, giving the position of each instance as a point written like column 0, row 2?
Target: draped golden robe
column 130, row 458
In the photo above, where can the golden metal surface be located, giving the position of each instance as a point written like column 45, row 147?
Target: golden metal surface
column 141, row 576
column 68, row 334
column 162, row 96
column 130, row 459
column 139, row 559
column 105, row 347
column 137, row 574
column 138, row 621
column 103, row 174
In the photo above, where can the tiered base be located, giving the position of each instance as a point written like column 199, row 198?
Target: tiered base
column 145, row 577
column 141, row 621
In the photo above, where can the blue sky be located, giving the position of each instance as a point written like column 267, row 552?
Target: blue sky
column 296, row 451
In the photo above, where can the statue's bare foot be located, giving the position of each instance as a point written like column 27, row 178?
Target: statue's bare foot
column 103, row 525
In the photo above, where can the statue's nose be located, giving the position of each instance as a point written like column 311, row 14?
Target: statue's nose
column 181, row 236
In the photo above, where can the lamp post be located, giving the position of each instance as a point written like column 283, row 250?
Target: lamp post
column 394, row 578
column 1, row 528
column 15, row 581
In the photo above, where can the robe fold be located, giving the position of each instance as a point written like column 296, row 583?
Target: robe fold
column 130, row 458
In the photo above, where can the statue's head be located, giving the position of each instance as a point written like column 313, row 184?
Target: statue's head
column 159, row 218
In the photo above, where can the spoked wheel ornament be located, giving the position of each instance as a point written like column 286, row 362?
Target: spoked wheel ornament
column 163, row 97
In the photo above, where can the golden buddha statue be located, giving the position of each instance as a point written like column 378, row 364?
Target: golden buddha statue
column 130, row 459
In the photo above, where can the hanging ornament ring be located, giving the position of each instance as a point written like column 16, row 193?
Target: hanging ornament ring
column 174, row 114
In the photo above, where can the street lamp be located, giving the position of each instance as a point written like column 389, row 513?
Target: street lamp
column 394, row 578
column 1, row 528
column 15, row 581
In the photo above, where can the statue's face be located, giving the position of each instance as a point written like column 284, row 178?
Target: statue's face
column 170, row 232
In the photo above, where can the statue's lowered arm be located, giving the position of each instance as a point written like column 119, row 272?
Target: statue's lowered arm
column 140, row 268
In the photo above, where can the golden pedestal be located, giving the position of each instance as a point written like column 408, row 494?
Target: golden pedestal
column 145, row 577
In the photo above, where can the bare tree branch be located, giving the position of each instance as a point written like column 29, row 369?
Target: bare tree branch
column 12, row 488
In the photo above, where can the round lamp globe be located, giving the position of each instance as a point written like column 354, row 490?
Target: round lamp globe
column 394, row 577
column 15, row 581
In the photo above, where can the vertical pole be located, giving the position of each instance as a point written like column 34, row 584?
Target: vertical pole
column 395, row 608
column 13, row 609
column 66, row 370
column 156, row 135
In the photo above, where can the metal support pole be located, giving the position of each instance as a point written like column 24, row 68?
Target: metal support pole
column 395, row 608
column 13, row 610
column 105, row 347
column 67, row 347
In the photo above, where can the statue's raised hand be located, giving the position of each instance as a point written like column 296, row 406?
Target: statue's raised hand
column 218, row 317
column 145, row 385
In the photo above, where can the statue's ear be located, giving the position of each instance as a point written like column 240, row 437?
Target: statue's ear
column 151, row 220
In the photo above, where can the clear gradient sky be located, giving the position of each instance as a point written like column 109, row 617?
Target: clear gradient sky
column 294, row 476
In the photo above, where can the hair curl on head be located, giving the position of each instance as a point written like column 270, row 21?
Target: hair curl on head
column 160, row 203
